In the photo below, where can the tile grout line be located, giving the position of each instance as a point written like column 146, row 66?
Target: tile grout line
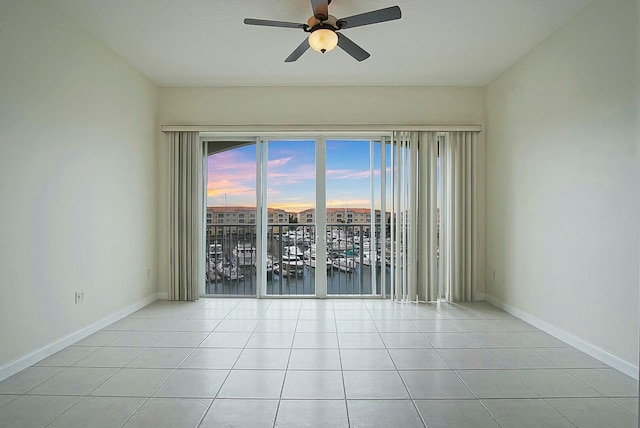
column 460, row 378
column 286, row 371
column 344, row 384
column 204, row 415
column 222, row 383
column 413, row 403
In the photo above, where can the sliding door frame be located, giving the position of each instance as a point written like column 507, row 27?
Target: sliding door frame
column 321, row 218
column 262, row 185
column 262, row 158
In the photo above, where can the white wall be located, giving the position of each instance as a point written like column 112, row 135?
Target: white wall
column 78, row 166
column 319, row 105
column 562, row 178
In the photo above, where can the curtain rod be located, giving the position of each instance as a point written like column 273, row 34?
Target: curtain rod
column 292, row 129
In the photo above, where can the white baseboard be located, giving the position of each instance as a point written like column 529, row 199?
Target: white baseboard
column 34, row 357
column 163, row 296
column 577, row 342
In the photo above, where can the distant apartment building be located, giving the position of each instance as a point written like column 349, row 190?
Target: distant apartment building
column 247, row 215
column 342, row 215
column 239, row 221
column 243, row 215
column 236, row 220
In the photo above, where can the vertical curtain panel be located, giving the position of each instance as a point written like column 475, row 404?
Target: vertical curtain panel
column 458, row 221
column 414, row 216
column 428, row 216
column 403, row 206
column 186, row 225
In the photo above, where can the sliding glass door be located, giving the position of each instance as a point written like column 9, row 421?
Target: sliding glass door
column 290, row 233
column 299, row 217
column 230, row 252
column 355, row 217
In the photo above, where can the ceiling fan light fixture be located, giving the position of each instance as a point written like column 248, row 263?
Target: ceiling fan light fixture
column 323, row 40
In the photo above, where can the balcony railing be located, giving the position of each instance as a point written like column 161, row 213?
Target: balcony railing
column 290, row 259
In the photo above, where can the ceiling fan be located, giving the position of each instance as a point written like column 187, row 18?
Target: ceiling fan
column 324, row 29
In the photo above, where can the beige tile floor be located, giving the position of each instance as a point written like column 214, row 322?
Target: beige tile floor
column 316, row 363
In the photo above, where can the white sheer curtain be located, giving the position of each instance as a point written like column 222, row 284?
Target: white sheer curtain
column 458, row 217
column 186, row 215
column 414, row 216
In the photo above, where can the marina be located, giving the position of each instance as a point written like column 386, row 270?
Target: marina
column 339, row 283
column 291, row 260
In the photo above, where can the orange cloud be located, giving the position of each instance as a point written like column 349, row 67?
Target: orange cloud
column 292, row 206
column 232, row 175
column 349, row 203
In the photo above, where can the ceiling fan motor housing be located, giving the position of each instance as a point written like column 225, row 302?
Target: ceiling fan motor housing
column 314, row 23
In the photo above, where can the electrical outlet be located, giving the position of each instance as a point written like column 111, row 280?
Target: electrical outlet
column 79, row 296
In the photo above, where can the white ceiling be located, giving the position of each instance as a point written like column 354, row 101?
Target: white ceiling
column 205, row 43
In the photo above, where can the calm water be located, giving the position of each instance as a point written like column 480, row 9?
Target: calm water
column 357, row 282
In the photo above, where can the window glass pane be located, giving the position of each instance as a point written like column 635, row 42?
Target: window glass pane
column 290, row 198
column 349, row 234
column 231, row 196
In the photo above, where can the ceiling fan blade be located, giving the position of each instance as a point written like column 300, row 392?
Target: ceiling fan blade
column 267, row 23
column 298, row 52
column 320, row 9
column 351, row 48
column 373, row 17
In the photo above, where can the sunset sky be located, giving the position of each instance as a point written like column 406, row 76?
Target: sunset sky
column 291, row 175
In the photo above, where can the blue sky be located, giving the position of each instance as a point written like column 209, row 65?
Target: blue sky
column 291, row 175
